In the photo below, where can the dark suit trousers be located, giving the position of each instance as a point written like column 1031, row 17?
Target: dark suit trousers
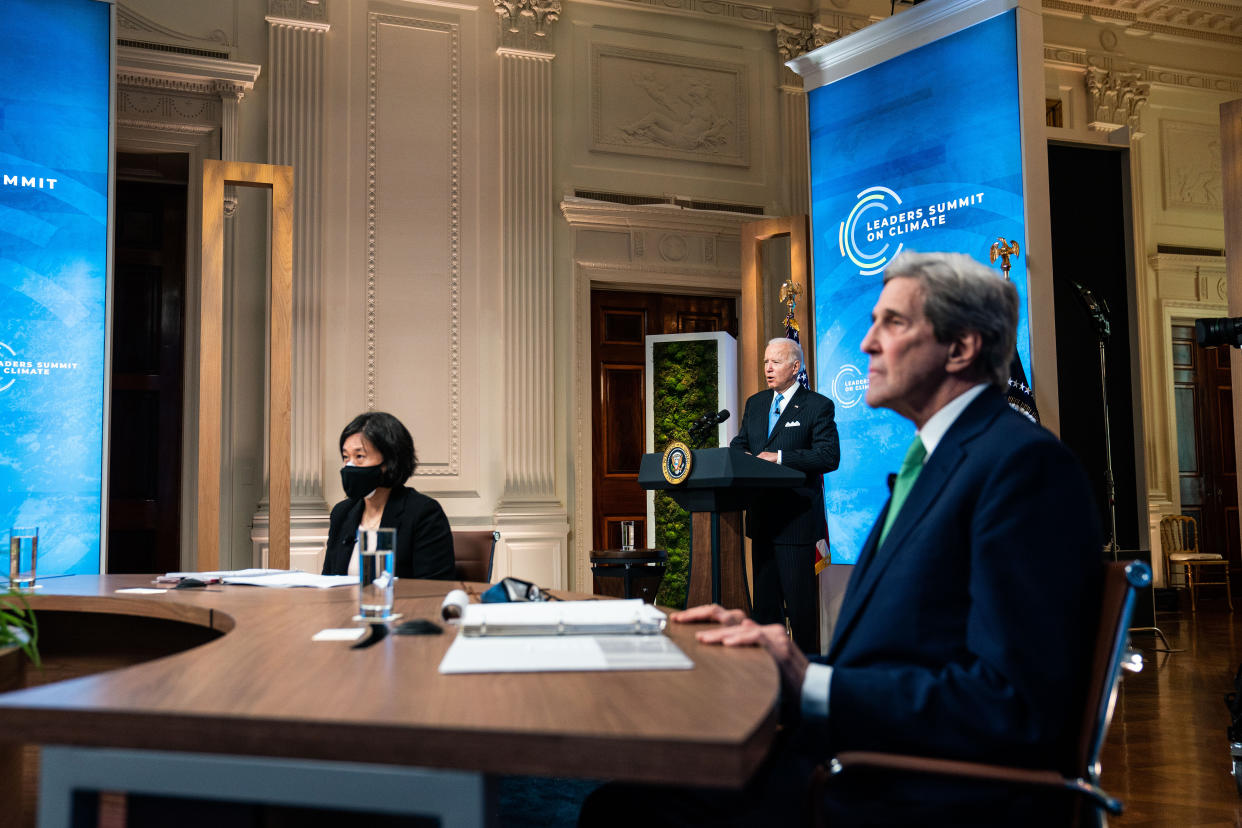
column 786, row 589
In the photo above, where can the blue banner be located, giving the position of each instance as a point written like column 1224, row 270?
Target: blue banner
column 922, row 152
column 54, row 162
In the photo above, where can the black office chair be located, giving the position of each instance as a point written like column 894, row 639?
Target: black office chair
column 1111, row 652
column 473, row 553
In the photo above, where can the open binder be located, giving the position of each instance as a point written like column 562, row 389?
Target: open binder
column 632, row 617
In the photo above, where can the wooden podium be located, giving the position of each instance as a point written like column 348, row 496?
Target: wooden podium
column 720, row 486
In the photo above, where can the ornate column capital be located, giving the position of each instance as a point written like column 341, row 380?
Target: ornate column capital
column 230, row 90
column 302, row 14
column 794, row 42
column 1116, row 99
column 525, row 24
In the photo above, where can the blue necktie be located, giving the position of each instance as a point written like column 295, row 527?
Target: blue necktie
column 775, row 413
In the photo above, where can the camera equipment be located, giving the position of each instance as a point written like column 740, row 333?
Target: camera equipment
column 1225, row 330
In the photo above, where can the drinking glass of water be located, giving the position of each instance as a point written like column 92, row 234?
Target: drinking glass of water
column 376, row 561
column 23, row 555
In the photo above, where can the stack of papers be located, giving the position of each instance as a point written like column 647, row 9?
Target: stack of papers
column 262, row 577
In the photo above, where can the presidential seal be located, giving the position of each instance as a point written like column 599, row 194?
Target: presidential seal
column 676, row 462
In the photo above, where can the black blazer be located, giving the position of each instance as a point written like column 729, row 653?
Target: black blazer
column 424, row 539
column 806, row 436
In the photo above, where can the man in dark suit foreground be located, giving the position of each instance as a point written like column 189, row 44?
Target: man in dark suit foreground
column 965, row 628
column 793, row 426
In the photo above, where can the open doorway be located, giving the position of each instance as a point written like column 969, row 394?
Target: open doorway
column 1090, row 242
column 148, row 345
column 620, row 323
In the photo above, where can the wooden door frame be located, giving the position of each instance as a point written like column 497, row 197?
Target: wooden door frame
column 279, row 179
column 754, row 304
column 198, row 145
column 589, row 277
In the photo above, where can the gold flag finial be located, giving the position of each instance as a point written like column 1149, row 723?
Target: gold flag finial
column 790, row 290
column 1002, row 250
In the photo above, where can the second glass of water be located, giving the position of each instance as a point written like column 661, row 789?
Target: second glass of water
column 23, row 556
column 376, row 562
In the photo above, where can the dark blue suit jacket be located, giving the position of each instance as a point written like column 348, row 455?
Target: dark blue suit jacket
column 806, row 434
column 966, row 633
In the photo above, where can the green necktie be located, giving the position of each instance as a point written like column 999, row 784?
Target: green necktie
column 910, row 468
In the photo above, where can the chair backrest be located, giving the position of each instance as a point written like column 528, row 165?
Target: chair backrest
column 1112, row 644
column 1178, row 533
column 473, row 553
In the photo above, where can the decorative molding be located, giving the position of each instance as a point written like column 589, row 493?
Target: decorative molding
column 1070, row 57
column 161, row 107
column 1199, row 20
column 742, row 14
column 183, row 73
column 165, row 126
column 1115, row 99
column 524, row 25
column 185, row 92
column 1190, row 165
column 669, row 106
column 587, row 213
column 453, row 265
column 130, row 23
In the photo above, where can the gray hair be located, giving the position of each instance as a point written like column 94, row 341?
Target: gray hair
column 960, row 295
column 794, row 346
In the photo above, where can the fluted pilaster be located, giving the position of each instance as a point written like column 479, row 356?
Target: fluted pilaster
column 531, row 517
column 296, row 33
column 526, row 186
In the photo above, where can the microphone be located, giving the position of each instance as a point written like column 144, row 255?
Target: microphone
column 709, row 420
column 1097, row 309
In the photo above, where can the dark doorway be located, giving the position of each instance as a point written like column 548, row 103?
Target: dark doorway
column 1206, row 475
column 620, row 321
column 148, row 313
column 1090, row 237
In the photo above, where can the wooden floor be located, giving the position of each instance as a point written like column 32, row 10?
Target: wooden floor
column 1167, row 754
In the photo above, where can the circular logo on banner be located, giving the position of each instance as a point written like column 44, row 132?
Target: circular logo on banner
column 7, row 357
column 849, row 386
column 868, row 250
column 676, row 462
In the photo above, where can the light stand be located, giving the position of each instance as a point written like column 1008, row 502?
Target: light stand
column 1097, row 309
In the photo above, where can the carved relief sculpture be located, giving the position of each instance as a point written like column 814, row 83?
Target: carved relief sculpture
column 647, row 103
column 1191, row 165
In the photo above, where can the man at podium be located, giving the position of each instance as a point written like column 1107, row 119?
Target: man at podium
column 793, row 426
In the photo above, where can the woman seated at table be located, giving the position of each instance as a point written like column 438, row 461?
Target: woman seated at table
column 379, row 457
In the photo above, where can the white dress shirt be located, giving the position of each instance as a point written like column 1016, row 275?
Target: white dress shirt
column 787, row 394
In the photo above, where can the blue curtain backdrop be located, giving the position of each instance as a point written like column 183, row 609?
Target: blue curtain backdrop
column 922, row 152
column 54, row 158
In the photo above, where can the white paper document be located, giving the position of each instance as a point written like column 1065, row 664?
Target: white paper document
column 562, row 653
column 265, row 578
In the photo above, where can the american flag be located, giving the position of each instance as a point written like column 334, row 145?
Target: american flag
column 823, row 553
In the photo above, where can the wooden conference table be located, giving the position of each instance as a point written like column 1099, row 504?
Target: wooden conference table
column 259, row 687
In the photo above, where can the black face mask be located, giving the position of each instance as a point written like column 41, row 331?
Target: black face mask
column 360, row 481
